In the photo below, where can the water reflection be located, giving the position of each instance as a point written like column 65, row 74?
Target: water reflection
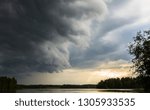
column 78, row 90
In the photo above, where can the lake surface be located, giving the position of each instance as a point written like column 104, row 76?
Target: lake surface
column 51, row 90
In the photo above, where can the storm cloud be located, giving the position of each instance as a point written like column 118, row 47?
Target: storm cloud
column 113, row 34
column 35, row 35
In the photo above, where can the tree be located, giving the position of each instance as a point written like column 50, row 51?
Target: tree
column 140, row 49
column 8, row 84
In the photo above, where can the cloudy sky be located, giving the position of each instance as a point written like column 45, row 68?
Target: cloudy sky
column 69, row 41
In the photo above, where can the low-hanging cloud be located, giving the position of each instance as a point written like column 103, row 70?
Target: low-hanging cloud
column 35, row 34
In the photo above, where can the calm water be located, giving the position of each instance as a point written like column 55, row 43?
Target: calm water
column 47, row 90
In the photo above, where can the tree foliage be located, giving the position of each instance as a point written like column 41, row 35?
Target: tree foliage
column 123, row 83
column 140, row 49
column 8, row 84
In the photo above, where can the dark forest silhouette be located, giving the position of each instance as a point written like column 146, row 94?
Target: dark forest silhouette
column 122, row 83
column 7, row 84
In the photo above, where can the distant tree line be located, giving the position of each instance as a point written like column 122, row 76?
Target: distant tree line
column 21, row 86
column 122, row 83
column 7, row 84
column 79, row 86
column 68, row 86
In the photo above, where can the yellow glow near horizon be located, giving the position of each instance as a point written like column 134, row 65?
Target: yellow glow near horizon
column 104, row 71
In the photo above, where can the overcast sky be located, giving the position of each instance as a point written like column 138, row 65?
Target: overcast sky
column 68, row 41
